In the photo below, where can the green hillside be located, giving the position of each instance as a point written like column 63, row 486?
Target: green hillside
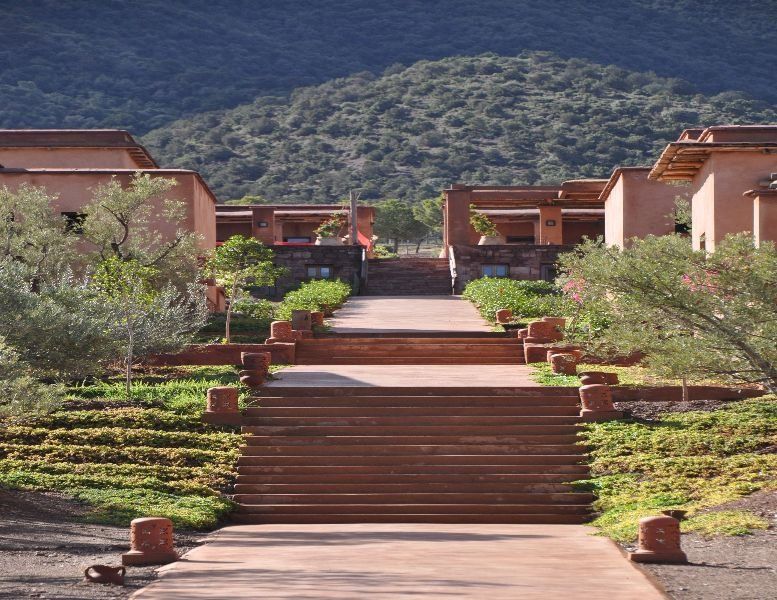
column 531, row 119
column 141, row 65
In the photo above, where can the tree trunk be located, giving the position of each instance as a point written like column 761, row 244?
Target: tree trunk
column 396, row 245
column 686, row 395
column 229, row 309
column 130, row 350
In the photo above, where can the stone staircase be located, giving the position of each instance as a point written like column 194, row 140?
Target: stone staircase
column 483, row 349
column 408, row 277
column 425, row 455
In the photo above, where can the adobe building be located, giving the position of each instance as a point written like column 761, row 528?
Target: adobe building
column 289, row 229
column 535, row 224
column 635, row 206
column 729, row 170
column 69, row 164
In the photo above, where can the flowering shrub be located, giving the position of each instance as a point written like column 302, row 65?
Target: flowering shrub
column 332, row 226
column 526, row 299
column 481, row 223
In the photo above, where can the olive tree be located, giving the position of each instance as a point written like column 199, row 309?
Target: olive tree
column 238, row 263
column 394, row 220
column 693, row 314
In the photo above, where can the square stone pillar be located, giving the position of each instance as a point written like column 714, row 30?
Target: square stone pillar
column 551, row 228
column 456, row 227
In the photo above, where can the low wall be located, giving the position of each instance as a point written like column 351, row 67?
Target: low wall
column 525, row 261
column 674, row 393
column 223, row 354
column 345, row 262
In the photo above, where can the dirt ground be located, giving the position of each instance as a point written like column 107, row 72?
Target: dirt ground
column 44, row 549
column 727, row 568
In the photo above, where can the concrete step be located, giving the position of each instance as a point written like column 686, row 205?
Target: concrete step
column 457, row 499
column 355, row 507
column 417, row 421
column 420, row 402
column 400, row 461
column 428, row 391
column 371, row 479
column 403, row 488
column 366, row 359
column 410, row 440
column 572, row 468
column 486, row 517
column 412, row 411
column 411, row 450
column 412, row 430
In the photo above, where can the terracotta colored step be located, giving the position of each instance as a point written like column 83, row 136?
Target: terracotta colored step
column 426, row 478
column 474, row 508
column 418, row 459
column 401, row 488
column 412, row 430
column 488, row 518
column 399, row 360
column 417, row 402
column 413, row 411
column 344, row 342
column 410, row 450
column 421, row 390
column 571, row 468
column 439, row 420
column 457, row 499
column 364, row 441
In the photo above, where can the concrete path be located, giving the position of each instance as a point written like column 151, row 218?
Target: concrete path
column 404, row 376
column 365, row 314
column 482, row 562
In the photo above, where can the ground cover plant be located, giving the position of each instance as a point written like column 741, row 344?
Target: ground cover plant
column 543, row 374
column 129, row 457
column 527, row 299
column 691, row 461
column 317, row 295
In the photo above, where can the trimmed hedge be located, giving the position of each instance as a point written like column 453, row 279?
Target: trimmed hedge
column 527, row 299
column 318, row 295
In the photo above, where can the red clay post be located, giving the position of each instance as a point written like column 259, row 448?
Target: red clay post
column 544, row 332
column 601, row 377
column 256, row 366
column 504, row 315
column 222, row 399
column 596, row 403
column 301, row 320
column 317, row 318
column 559, row 322
column 151, row 542
column 659, row 541
column 564, row 363
column 280, row 331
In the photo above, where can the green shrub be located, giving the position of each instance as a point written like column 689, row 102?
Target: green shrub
column 527, row 299
column 384, row 251
column 318, row 295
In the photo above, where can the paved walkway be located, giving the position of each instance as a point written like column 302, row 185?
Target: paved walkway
column 365, row 314
column 404, row 376
column 483, row 562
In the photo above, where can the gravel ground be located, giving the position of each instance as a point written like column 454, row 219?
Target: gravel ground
column 44, row 549
column 649, row 411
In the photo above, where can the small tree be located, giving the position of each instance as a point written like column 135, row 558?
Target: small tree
column 481, row 223
column 694, row 314
column 331, row 227
column 240, row 262
column 145, row 319
column 31, row 233
column 123, row 223
column 394, row 220
column 20, row 391
column 429, row 212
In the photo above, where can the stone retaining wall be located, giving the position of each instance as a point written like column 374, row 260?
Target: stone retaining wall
column 345, row 262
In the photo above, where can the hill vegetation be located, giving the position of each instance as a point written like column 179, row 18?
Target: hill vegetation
column 535, row 118
column 140, row 65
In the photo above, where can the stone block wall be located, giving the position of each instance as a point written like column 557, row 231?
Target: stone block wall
column 524, row 261
column 345, row 262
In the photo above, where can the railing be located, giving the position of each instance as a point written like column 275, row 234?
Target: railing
column 363, row 271
column 452, row 267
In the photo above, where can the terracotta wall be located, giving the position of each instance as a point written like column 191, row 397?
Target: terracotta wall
column 638, row 207
column 66, row 158
column 574, row 231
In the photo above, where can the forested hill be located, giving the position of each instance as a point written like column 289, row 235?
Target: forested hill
column 486, row 119
column 141, row 64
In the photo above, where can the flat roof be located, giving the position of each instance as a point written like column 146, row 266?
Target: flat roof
column 680, row 161
column 73, row 171
column 77, row 138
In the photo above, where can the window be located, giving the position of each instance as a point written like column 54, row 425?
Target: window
column 74, row 221
column 320, row 271
column 548, row 272
column 520, row 239
column 496, row 270
column 297, row 240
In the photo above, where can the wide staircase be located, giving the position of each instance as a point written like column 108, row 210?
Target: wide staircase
column 476, row 349
column 408, row 277
column 427, row 455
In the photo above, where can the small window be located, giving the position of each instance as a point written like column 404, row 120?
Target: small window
column 520, row 239
column 74, row 221
column 548, row 272
column 496, row 270
column 320, row 271
column 297, row 240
